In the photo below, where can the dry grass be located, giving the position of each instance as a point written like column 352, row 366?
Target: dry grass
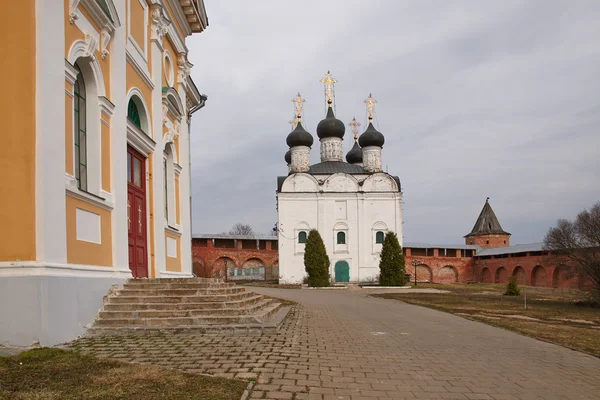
column 552, row 314
column 45, row 374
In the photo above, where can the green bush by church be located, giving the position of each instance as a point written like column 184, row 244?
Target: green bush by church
column 316, row 261
column 391, row 264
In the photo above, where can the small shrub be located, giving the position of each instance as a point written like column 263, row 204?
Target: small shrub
column 511, row 288
column 316, row 261
column 391, row 264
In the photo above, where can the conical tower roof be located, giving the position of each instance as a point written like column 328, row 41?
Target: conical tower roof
column 487, row 223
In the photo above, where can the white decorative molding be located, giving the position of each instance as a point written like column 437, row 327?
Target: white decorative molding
column 168, row 68
column 160, row 24
column 88, row 226
column 332, row 149
column 79, row 49
column 140, row 66
column 105, row 38
column 91, row 42
column 70, row 73
column 73, row 191
column 106, row 106
column 372, row 158
column 177, row 169
column 171, row 247
column 300, row 159
column 165, row 111
column 185, row 68
column 73, row 15
column 180, row 16
column 99, row 15
column 40, row 268
column 138, row 50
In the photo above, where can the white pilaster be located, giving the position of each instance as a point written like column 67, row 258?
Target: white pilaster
column 51, row 237
column 118, row 140
column 184, row 187
column 156, row 54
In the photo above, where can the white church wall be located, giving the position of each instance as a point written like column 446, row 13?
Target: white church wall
column 358, row 215
column 300, row 183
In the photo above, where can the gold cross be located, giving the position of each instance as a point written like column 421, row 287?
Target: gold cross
column 293, row 122
column 354, row 124
column 370, row 102
column 329, row 82
column 299, row 109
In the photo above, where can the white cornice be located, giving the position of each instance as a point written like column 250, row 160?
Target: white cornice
column 106, row 106
column 99, row 16
column 180, row 16
column 70, row 73
column 139, row 140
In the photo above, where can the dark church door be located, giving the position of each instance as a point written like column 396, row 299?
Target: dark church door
column 136, row 213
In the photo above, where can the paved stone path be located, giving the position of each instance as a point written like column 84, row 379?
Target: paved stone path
column 345, row 345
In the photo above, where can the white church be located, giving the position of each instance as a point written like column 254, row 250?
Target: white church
column 351, row 203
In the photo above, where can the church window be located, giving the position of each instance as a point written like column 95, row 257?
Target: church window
column 302, row 237
column 80, row 131
column 133, row 114
column 341, row 238
column 379, row 237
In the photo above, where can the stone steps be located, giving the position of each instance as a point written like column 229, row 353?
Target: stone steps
column 252, row 298
column 181, row 303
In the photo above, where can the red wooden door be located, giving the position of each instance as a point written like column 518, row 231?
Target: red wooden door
column 136, row 213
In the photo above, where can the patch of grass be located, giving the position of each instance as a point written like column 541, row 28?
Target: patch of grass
column 60, row 374
column 552, row 314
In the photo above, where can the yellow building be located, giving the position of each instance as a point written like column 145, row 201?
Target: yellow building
column 95, row 163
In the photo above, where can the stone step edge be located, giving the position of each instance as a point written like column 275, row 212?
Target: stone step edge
column 257, row 304
column 273, row 325
column 265, row 313
column 230, row 302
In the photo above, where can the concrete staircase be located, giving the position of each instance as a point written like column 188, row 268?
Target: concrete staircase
column 184, row 303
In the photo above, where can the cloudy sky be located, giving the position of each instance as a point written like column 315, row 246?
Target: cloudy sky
column 475, row 99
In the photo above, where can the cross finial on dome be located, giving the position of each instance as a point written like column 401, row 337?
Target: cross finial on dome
column 354, row 124
column 370, row 102
column 299, row 108
column 329, row 83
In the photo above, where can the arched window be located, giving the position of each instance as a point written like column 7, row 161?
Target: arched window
column 379, row 237
column 302, row 237
column 133, row 114
column 168, row 183
column 166, row 187
column 341, row 238
column 80, row 142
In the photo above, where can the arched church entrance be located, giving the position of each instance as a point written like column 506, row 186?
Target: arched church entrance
column 342, row 271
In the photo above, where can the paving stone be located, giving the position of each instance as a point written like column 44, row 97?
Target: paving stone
column 326, row 350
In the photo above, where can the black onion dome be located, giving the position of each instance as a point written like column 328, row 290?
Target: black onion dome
column 288, row 157
column 299, row 137
column 354, row 156
column 330, row 126
column 371, row 137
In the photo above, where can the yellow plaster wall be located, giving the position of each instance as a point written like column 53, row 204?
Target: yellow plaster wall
column 173, row 264
column 17, row 153
column 69, row 128
column 137, row 23
column 79, row 252
column 105, row 150
column 135, row 80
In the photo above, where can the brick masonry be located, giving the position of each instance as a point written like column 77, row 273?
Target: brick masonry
column 211, row 261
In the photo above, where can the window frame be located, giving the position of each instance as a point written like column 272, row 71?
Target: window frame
column 342, row 235
column 377, row 235
column 79, row 109
column 301, row 235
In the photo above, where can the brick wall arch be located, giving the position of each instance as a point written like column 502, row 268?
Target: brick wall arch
column 539, row 276
column 501, row 274
column 486, row 275
column 520, row 274
column 447, row 274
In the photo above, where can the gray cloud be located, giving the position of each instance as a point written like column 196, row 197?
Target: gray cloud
column 476, row 99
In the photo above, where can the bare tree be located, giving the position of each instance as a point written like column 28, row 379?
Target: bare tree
column 577, row 244
column 242, row 229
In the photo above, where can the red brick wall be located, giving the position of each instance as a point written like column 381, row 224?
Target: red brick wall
column 438, row 269
column 489, row 241
column 211, row 262
column 532, row 270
